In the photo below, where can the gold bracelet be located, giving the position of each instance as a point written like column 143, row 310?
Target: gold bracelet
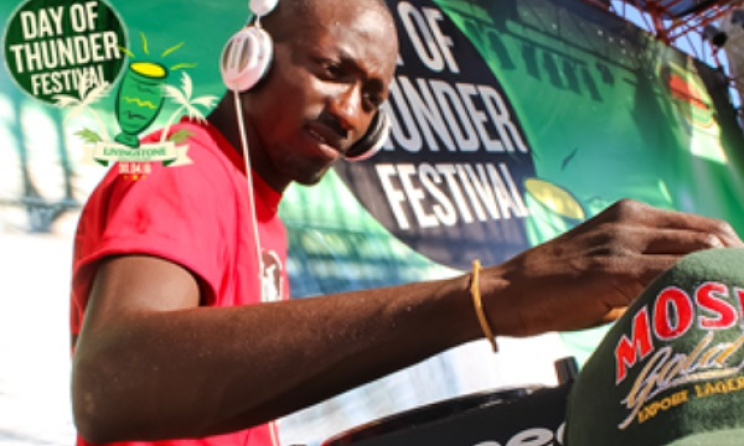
column 475, row 293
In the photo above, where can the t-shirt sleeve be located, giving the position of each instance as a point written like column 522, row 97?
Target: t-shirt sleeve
column 176, row 213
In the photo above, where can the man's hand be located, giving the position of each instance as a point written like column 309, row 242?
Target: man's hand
column 588, row 275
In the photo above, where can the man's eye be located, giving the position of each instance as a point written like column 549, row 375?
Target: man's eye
column 372, row 100
column 332, row 70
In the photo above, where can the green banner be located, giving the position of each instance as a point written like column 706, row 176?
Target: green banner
column 512, row 121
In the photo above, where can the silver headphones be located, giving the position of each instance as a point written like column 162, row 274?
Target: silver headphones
column 246, row 58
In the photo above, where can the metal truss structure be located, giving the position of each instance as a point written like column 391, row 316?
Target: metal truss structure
column 709, row 30
column 673, row 21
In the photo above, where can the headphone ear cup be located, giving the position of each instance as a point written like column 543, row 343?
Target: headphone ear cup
column 246, row 58
column 373, row 140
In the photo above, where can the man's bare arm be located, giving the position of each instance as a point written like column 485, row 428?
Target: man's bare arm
column 150, row 363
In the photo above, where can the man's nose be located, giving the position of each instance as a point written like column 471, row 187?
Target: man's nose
column 346, row 106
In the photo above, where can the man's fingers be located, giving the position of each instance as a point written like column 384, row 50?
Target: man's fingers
column 711, row 227
column 733, row 240
column 614, row 314
column 641, row 214
column 668, row 219
column 680, row 241
column 611, row 316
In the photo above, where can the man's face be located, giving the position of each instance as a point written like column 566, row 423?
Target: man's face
column 331, row 72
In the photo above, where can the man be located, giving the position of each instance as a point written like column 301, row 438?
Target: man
column 165, row 267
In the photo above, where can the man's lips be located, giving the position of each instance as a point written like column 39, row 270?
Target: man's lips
column 326, row 136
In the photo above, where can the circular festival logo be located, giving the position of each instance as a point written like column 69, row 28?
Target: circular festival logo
column 52, row 46
column 70, row 53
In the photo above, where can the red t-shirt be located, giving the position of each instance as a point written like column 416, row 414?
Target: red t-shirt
column 197, row 216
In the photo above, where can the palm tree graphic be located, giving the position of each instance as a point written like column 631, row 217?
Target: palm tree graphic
column 186, row 103
column 86, row 98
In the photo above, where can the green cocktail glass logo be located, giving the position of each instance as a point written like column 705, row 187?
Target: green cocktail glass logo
column 139, row 100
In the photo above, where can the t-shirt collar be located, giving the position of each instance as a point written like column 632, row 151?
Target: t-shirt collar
column 269, row 196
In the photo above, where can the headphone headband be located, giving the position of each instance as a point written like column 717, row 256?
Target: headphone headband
column 262, row 7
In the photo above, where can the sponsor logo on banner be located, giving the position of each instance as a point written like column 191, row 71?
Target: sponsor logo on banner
column 453, row 171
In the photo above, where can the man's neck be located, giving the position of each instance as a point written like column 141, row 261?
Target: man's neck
column 223, row 118
column 225, row 122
